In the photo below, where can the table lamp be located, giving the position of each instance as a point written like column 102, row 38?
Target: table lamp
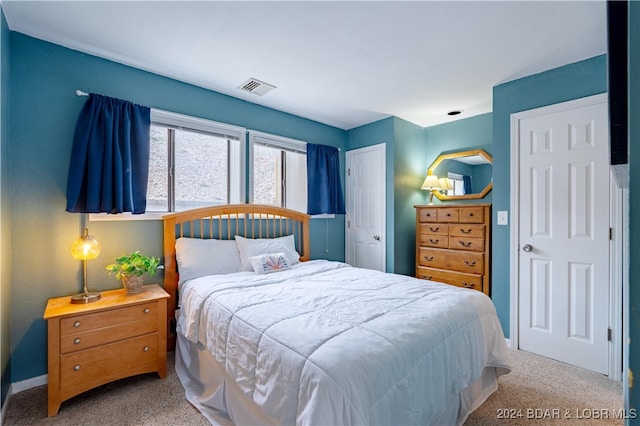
column 432, row 184
column 85, row 248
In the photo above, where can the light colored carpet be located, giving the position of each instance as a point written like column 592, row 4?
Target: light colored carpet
column 536, row 383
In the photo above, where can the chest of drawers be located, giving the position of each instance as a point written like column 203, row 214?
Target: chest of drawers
column 453, row 244
column 120, row 335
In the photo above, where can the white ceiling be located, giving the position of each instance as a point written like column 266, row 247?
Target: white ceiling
column 341, row 63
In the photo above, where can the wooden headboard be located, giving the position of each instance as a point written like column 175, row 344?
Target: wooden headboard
column 225, row 222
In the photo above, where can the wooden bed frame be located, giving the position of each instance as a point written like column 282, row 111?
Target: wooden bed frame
column 225, row 222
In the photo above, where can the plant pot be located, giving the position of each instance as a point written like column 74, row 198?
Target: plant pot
column 132, row 283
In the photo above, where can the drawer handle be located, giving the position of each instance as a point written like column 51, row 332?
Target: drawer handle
column 76, row 324
column 448, row 214
column 146, row 349
column 146, row 310
column 470, row 214
column 468, row 285
column 428, row 258
column 434, row 229
column 433, row 241
column 76, row 367
column 472, row 263
column 76, row 341
column 465, row 243
column 465, row 231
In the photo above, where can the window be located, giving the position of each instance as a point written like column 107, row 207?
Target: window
column 278, row 171
column 456, row 183
column 193, row 163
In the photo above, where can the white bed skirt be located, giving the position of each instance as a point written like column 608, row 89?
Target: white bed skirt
column 220, row 400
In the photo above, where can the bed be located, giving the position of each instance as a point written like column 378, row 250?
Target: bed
column 265, row 335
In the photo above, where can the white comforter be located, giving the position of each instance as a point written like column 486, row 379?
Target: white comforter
column 325, row 343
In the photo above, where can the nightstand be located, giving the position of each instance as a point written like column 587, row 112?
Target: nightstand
column 120, row 335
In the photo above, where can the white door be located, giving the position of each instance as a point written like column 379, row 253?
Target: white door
column 365, row 205
column 563, row 235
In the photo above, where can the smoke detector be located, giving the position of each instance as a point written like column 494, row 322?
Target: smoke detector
column 257, row 87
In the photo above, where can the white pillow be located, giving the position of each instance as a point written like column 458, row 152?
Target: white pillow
column 255, row 247
column 199, row 257
column 267, row 263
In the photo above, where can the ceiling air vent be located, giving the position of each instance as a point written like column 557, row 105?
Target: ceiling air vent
column 256, row 87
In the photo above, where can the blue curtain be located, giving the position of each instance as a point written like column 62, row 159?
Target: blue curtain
column 466, row 182
column 110, row 158
column 324, row 191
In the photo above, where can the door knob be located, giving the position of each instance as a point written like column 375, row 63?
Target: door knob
column 527, row 248
column 376, row 237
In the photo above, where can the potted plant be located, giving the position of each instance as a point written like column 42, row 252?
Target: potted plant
column 130, row 268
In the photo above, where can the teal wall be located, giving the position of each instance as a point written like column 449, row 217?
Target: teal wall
column 404, row 169
column 460, row 135
column 569, row 82
column 44, row 109
column 381, row 131
column 5, row 216
column 409, row 165
column 632, row 393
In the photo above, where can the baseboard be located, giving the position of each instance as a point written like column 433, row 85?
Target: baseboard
column 23, row 385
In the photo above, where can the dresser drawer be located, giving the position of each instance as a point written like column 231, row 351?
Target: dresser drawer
column 84, row 367
column 92, row 321
column 449, row 215
column 428, row 215
column 462, row 261
column 88, row 339
column 448, row 277
column 464, row 230
column 441, row 241
column 471, row 215
column 434, row 229
column 466, row 243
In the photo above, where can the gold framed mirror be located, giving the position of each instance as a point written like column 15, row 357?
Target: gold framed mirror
column 469, row 174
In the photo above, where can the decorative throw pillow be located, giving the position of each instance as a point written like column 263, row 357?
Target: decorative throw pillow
column 199, row 257
column 267, row 263
column 255, row 247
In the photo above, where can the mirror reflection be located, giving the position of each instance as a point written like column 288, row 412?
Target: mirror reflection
column 468, row 174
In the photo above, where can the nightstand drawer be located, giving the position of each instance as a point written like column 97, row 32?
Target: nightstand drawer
column 100, row 336
column 84, row 367
column 87, row 322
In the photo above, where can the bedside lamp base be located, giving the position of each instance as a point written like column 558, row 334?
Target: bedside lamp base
column 85, row 297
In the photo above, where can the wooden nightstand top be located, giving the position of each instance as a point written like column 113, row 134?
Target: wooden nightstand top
column 62, row 306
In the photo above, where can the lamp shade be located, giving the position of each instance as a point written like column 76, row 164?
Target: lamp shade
column 86, row 247
column 431, row 182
